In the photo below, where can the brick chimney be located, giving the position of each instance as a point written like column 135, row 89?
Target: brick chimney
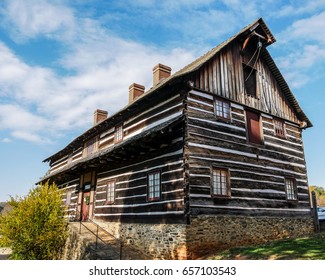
column 135, row 90
column 99, row 116
column 160, row 72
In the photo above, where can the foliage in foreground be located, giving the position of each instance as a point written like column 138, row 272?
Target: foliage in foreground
column 35, row 228
column 306, row 248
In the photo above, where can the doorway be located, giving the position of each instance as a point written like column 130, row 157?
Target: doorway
column 86, row 196
column 85, row 206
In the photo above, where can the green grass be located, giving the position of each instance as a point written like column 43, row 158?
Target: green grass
column 305, row 248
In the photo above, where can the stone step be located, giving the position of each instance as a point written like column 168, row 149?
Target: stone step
column 105, row 251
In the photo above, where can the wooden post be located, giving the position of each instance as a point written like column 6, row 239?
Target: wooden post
column 315, row 214
column 97, row 237
column 121, row 249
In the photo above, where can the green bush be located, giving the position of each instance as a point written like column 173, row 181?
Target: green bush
column 35, row 228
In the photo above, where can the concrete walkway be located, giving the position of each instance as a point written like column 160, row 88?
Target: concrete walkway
column 4, row 253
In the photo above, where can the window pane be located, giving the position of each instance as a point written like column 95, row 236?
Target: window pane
column 110, row 192
column 220, row 186
column 68, row 199
column 279, row 128
column 291, row 190
column 154, row 186
column 119, row 133
column 90, row 146
column 222, row 109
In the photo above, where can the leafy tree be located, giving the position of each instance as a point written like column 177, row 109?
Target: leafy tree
column 320, row 194
column 35, row 228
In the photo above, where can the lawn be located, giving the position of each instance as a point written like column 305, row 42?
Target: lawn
column 304, row 248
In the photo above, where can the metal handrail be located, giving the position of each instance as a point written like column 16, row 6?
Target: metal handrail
column 78, row 218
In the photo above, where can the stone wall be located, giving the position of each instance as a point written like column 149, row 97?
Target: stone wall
column 158, row 241
column 210, row 233
column 206, row 234
column 75, row 245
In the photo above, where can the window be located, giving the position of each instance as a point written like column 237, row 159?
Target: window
column 291, row 189
column 222, row 109
column 69, row 159
column 253, row 127
column 110, row 192
column 87, row 187
column 220, row 182
column 90, row 146
column 154, row 184
column 250, row 80
column 279, row 128
column 68, row 199
column 118, row 137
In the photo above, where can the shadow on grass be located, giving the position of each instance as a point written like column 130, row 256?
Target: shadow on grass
column 305, row 248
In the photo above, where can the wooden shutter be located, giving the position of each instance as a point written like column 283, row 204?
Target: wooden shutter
column 253, row 127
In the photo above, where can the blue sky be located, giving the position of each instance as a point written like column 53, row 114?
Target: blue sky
column 60, row 60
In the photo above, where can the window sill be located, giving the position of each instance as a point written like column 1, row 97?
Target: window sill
column 153, row 199
column 221, row 197
column 223, row 120
column 292, row 202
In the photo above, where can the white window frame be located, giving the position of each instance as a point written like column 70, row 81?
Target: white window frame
column 222, row 108
column 291, row 189
column 118, row 135
column 110, row 192
column 154, row 186
column 220, row 182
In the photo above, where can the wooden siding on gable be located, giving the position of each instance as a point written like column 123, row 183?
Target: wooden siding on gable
column 257, row 172
column 223, row 76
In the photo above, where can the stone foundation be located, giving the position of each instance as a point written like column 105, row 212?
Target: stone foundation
column 159, row 241
column 206, row 234
column 211, row 233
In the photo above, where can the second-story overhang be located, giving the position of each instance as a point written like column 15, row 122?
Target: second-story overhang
column 105, row 159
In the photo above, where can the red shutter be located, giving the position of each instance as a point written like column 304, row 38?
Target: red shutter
column 253, row 127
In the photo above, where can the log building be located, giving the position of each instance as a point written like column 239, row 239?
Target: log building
column 209, row 157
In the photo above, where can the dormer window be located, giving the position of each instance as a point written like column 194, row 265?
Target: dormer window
column 118, row 136
column 250, row 80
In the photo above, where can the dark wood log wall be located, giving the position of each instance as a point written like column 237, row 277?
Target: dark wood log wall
column 131, row 193
column 257, row 172
column 130, row 175
column 70, row 189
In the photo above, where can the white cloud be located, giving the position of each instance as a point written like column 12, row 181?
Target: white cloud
column 41, row 104
column 304, row 44
column 6, row 140
column 299, row 7
column 32, row 18
column 312, row 28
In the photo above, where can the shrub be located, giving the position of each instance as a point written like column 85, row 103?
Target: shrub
column 35, row 228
